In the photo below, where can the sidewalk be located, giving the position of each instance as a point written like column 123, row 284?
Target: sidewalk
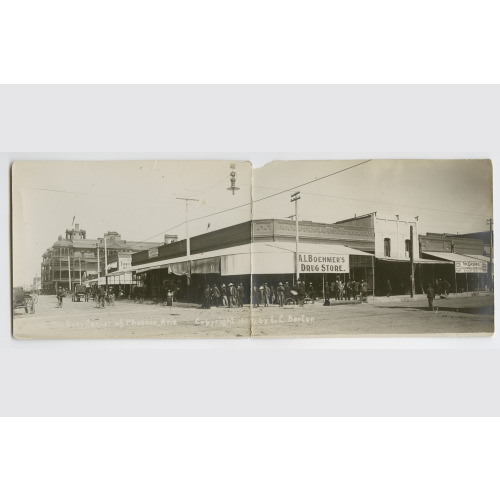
column 407, row 298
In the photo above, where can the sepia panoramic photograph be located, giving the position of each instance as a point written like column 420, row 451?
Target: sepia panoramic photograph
column 221, row 249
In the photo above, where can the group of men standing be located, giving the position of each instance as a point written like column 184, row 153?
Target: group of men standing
column 282, row 294
column 264, row 295
column 226, row 296
column 350, row 289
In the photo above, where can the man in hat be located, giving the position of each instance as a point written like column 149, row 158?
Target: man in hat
column 281, row 294
column 216, row 295
column 287, row 290
column 364, row 290
column 336, row 289
column 241, row 295
column 234, row 295
column 60, row 295
column 446, row 286
column 430, row 296
column 261, row 295
column 311, row 292
column 355, row 289
column 347, row 290
column 223, row 292
column 341, row 290
column 267, row 294
column 229, row 295
column 206, row 298
column 255, row 296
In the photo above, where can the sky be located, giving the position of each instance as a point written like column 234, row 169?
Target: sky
column 135, row 198
column 138, row 198
column 447, row 195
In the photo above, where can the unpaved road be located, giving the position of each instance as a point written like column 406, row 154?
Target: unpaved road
column 459, row 316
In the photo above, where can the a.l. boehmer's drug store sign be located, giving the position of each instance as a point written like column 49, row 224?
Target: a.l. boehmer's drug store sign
column 323, row 263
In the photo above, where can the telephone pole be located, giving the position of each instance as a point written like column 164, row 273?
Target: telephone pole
column 69, row 272
column 188, row 246
column 490, row 273
column 106, row 263
column 98, row 262
column 412, row 265
column 295, row 198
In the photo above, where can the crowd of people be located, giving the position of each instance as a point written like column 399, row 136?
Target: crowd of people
column 263, row 295
column 225, row 296
column 283, row 293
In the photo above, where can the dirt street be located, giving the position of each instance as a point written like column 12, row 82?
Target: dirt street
column 460, row 316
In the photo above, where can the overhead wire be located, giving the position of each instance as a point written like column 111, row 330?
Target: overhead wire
column 251, row 203
column 380, row 202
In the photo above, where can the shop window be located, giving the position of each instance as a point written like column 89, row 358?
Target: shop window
column 387, row 247
column 407, row 248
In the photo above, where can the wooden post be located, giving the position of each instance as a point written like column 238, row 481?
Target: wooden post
column 490, row 273
column 106, row 263
column 412, row 267
column 373, row 278
column 69, row 273
column 98, row 262
column 295, row 198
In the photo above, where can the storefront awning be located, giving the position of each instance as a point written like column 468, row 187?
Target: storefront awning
column 148, row 267
column 463, row 263
column 452, row 257
column 415, row 261
column 483, row 258
column 235, row 265
column 256, row 258
column 206, row 266
column 179, row 268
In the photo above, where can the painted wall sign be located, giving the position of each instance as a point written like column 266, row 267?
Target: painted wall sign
column 472, row 266
column 124, row 263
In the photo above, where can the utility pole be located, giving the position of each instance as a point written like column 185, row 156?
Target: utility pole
column 490, row 274
column 69, row 272
column 397, row 237
column 188, row 246
column 98, row 262
column 106, row 263
column 80, row 262
column 295, row 198
column 412, row 265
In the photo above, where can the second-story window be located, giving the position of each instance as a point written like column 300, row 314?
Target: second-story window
column 387, row 247
column 407, row 248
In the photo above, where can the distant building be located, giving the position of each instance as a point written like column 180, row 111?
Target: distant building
column 392, row 246
column 436, row 256
column 391, row 234
column 37, row 283
column 467, row 256
column 74, row 258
